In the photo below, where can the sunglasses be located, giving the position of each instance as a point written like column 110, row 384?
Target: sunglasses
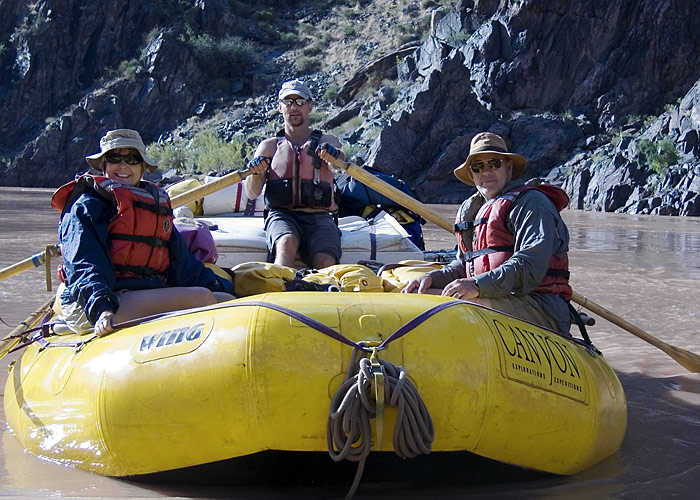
column 116, row 159
column 493, row 164
column 299, row 101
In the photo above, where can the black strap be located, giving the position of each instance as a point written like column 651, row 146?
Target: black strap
column 315, row 138
column 579, row 322
column 151, row 207
column 558, row 273
column 149, row 240
column 145, row 272
column 249, row 208
column 470, row 256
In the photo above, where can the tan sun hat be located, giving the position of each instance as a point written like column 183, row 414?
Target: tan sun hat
column 121, row 138
column 486, row 142
column 294, row 87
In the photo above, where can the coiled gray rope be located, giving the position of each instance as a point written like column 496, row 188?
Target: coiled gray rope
column 349, row 432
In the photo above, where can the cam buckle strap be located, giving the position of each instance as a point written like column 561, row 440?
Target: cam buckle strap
column 469, row 224
column 378, row 377
column 315, row 138
column 470, row 256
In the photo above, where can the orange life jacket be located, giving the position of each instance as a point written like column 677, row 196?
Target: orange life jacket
column 493, row 243
column 139, row 234
column 298, row 178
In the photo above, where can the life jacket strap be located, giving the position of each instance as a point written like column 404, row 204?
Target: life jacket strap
column 149, row 240
column 470, row 256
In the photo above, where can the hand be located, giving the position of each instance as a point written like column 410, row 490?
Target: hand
column 463, row 288
column 105, row 324
column 421, row 285
column 259, row 164
column 332, row 150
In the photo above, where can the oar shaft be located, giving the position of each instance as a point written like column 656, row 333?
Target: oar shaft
column 209, row 188
column 688, row 360
column 390, row 191
column 29, row 263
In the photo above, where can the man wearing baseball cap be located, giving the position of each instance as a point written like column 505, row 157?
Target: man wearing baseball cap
column 512, row 242
column 298, row 185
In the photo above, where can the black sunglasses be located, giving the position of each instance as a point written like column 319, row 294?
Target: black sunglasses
column 116, row 159
column 493, row 164
column 299, row 101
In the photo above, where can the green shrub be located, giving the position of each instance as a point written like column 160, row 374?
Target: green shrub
column 128, row 69
column 659, row 154
column 331, row 92
column 173, row 8
column 306, row 65
column 205, row 152
column 227, row 57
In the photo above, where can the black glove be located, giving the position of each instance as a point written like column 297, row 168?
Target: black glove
column 332, row 150
column 257, row 161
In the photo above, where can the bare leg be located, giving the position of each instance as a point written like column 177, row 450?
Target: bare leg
column 286, row 250
column 321, row 260
column 140, row 303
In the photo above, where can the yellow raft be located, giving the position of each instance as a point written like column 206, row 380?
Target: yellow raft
column 259, row 373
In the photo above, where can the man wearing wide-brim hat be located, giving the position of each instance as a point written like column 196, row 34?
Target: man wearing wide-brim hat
column 512, row 242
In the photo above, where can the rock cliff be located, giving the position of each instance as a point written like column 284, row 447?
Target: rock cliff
column 601, row 97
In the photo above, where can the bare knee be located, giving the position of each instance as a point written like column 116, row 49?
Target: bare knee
column 201, row 296
column 321, row 260
column 286, row 250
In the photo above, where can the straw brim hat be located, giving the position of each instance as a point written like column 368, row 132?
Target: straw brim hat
column 121, row 138
column 487, row 142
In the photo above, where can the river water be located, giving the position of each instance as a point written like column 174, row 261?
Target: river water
column 645, row 269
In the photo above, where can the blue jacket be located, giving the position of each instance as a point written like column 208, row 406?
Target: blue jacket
column 90, row 279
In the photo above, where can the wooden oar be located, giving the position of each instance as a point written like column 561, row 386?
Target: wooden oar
column 389, row 191
column 14, row 338
column 30, row 263
column 688, row 360
column 209, row 188
column 177, row 201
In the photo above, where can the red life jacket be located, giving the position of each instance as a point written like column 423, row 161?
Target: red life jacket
column 139, row 234
column 493, row 243
column 298, row 178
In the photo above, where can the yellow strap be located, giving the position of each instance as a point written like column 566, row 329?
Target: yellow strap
column 378, row 377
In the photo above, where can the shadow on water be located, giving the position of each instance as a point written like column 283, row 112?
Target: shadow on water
column 318, row 476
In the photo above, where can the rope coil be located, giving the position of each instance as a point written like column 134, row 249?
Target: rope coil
column 352, row 408
column 349, row 431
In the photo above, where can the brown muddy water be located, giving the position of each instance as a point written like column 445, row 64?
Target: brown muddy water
column 643, row 268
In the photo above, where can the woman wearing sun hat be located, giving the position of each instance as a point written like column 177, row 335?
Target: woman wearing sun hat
column 123, row 258
column 512, row 242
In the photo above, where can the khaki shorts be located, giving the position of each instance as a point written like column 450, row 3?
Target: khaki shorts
column 74, row 315
column 525, row 308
